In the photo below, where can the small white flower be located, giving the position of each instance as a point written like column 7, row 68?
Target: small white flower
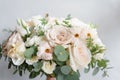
column 32, row 60
column 99, row 56
column 45, row 51
column 48, row 67
column 35, row 40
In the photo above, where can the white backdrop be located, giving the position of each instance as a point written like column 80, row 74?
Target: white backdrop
column 104, row 13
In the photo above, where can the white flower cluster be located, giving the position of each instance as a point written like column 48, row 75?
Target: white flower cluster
column 48, row 32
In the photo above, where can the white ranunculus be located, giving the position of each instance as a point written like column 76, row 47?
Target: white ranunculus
column 45, row 51
column 32, row 60
column 48, row 67
column 79, row 55
column 15, row 48
column 35, row 40
column 99, row 56
column 58, row 35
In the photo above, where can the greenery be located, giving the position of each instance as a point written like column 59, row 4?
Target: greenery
column 43, row 21
column 71, row 75
column 66, row 21
column 96, row 65
column 61, row 53
column 30, row 52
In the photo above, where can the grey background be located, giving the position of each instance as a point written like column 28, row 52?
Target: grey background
column 104, row 13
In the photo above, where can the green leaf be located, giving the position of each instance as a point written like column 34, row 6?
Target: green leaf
column 58, row 50
column 9, row 65
column 33, row 74
column 43, row 21
column 20, row 72
column 60, row 53
column 15, row 71
column 93, row 25
column 67, row 23
column 40, row 33
column 37, row 66
column 86, row 70
column 66, row 70
column 60, row 76
column 95, row 71
column 102, row 63
column 72, row 76
column 63, row 57
column 68, row 17
column 104, row 74
column 30, row 52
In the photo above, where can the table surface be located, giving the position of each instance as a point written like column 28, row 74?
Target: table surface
column 104, row 13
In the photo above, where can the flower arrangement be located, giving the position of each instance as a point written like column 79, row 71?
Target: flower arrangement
column 57, row 47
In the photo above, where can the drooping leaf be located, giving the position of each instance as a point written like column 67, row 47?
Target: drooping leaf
column 33, row 74
column 95, row 71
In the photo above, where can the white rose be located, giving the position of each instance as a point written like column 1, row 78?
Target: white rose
column 35, row 40
column 79, row 55
column 99, row 56
column 58, row 35
column 15, row 48
column 32, row 60
column 48, row 67
column 45, row 51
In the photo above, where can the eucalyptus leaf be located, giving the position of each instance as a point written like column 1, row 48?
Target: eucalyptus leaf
column 60, row 76
column 59, row 50
column 95, row 71
column 37, row 66
column 30, row 52
column 86, row 70
column 72, row 76
column 60, row 53
column 65, row 69
column 63, row 57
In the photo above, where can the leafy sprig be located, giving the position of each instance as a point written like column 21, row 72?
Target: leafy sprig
column 97, row 65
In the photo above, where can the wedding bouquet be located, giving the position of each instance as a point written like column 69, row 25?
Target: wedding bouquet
column 60, row 48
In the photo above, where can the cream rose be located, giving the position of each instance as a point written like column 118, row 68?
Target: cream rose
column 15, row 48
column 48, row 67
column 79, row 55
column 45, row 51
column 58, row 35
